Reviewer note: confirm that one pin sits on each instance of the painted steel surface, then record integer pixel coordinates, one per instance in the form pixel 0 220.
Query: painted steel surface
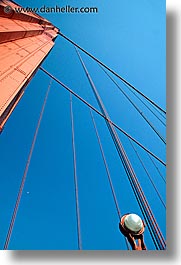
pixel 23 46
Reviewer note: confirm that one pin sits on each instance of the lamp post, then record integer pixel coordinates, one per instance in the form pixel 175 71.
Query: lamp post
pixel 132 227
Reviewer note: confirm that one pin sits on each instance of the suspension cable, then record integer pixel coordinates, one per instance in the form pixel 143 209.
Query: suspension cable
pixel 18 200
pixel 113 72
pixel 108 172
pixel 136 107
pixel 139 194
pixel 106 167
pixel 157 110
pixel 75 177
pixel 146 105
pixel 159 172
pixel 98 112
pixel 147 173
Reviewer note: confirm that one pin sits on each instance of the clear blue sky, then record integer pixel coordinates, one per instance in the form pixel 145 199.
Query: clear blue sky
pixel 129 36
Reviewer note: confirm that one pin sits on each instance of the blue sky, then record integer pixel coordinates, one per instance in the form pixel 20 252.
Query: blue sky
pixel 129 36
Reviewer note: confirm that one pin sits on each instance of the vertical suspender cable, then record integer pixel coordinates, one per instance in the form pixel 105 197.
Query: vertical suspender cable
pixel 110 70
pixel 108 172
pixel 102 115
pixel 146 210
pixel 159 172
pixel 148 174
pixel 147 105
pixel 75 177
pixel 136 107
pixel 106 167
pixel 133 92
pixel 18 200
